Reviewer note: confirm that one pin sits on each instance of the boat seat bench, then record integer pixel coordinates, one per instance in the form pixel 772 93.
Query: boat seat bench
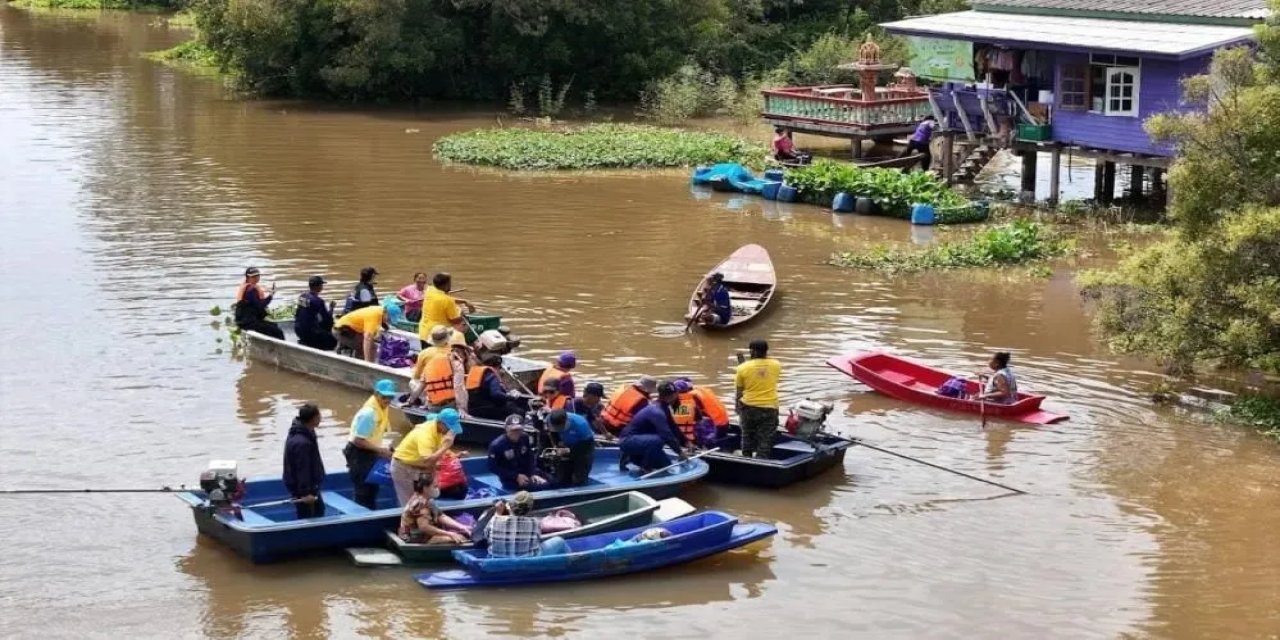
pixel 898 378
pixel 341 503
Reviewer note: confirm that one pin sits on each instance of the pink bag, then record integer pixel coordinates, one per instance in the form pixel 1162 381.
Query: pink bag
pixel 559 522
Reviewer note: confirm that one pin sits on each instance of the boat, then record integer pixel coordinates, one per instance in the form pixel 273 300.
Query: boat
pixel 888 162
pixel 476 325
pixel 910 381
pixel 730 177
pixel 692 537
pixel 752 283
pixel 476 431
pixel 599 515
pixel 792 460
pixel 273 532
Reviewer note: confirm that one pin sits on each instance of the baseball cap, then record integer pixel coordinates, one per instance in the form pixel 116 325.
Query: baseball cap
pixel 683 386
pixel 450 419
pixel 593 388
pixel 567 360
pixel 514 421
pixel 315 281
pixel 385 388
pixel 251 271
pixel 556 420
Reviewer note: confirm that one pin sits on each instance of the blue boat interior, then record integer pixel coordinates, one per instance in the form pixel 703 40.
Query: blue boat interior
pixel 785 448
pixel 697 522
pixel 729 177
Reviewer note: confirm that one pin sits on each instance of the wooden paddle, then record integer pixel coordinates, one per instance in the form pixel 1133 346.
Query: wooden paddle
pixel 672 466
pixel 696 314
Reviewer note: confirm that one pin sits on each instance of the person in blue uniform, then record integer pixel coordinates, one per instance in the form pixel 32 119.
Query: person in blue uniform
pixel 653 428
pixel 591 407
pixel 577 446
pixel 715 298
pixel 313 319
pixel 512 458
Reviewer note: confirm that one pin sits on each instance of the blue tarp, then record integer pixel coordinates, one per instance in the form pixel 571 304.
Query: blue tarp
pixel 728 176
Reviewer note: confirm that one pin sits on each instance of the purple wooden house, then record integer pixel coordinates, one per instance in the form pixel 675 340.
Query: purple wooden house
pixel 1073 75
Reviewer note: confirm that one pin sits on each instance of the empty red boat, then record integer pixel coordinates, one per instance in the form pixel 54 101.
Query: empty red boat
pixel 909 381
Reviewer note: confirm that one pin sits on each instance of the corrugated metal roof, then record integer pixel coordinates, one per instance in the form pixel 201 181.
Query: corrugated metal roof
pixel 1252 9
pixel 1157 38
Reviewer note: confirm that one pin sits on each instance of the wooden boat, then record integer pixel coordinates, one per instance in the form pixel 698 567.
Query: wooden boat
pixel 792 460
pixel 600 515
pixel 476 324
pixel 890 162
pixel 693 537
pixel 274 532
pixel 752 283
pixel 909 381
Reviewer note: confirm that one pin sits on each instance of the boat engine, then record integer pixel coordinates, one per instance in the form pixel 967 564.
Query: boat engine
pixel 222 485
pixel 808 417
pixel 497 341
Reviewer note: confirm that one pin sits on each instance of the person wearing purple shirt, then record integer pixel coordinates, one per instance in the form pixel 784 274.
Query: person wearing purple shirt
pixel 919 142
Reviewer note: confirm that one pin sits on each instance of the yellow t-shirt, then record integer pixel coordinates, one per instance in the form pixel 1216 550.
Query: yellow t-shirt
pixel 758 379
pixel 366 320
pixel 423 441
pixel 424 357
pixel 438 308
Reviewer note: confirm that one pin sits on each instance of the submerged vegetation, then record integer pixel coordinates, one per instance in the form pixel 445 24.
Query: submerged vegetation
pixel 1004 245
pixel 1260 413
pixel 594 147
pixel 893 191
pixel 190 55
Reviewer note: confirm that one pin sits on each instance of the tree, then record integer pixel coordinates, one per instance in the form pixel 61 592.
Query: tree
pixel 1211 291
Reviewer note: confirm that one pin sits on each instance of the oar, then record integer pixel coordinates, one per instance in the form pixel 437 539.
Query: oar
pixel 939 467
pixel 694 318
pixel 64 491
pixel 672 466
pixel 272 503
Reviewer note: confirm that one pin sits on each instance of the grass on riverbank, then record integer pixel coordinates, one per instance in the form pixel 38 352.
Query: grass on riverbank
pixel 93 5
pixel 1010 244
pixel 596 146
pixel 188 56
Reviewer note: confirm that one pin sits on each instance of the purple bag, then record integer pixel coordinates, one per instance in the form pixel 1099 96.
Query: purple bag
pixel 953 388
pixel 705 433
pixel 394 352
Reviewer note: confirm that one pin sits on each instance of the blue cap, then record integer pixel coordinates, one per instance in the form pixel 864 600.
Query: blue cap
pixel 385 387
pixel 392 307
pixel 450 419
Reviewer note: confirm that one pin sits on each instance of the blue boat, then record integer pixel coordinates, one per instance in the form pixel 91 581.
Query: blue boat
pixel 607 554
pixel 728 177
pixel 273 532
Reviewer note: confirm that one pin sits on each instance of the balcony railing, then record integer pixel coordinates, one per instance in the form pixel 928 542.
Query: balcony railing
pixel 843 105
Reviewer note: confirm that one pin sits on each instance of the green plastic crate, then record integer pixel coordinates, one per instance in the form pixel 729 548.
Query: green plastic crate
pixel 1033 132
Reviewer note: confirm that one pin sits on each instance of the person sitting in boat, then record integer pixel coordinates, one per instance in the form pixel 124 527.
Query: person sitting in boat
pixel 423 522
pixel 561 372
pixel 486 396
pixel 512 457
pixel 784 148
pixel 1001 386
pixel 251 306
pixel 411 296
pixel 652 429
pixel 438 345
pixel 438 307
pixel 591 407
pixel 514 533
pixel 363 294
pixel 715 300
pixel 444 377
pixel 422 449
pixel 357 332
pixel 626 402
pixel 313 319
pixel 576 445
pixel 553 396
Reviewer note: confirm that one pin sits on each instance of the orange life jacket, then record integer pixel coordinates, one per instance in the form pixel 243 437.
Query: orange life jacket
pixel 624 406
pixel 687 414
pixel 437 380
pixel 552 373
pixel 476 376
pixel 711 406
pixel 560 401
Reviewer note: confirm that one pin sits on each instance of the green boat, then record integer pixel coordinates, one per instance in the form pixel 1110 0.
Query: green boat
pixel 477 324
pixel 601 515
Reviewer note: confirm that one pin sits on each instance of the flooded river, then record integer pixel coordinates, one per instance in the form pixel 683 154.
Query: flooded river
pixel 133 196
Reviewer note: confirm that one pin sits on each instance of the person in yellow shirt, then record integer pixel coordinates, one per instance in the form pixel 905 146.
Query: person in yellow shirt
pixel 438 307
pixel 421 450
pixel 364 446
pixel 439 341
pixel 756 397
pixel 358 330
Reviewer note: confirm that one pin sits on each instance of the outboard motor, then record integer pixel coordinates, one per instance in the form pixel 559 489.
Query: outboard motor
pixel 222 486
pixel 808 417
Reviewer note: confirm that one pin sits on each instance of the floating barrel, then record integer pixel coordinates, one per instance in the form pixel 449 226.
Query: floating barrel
pixel 843 203
pixel 921 213
pixel 865 206
pixel 770 190
pixel 786 193
pixel 773 174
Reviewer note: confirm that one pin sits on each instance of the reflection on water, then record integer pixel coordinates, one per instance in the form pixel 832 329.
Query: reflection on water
pixel 134 196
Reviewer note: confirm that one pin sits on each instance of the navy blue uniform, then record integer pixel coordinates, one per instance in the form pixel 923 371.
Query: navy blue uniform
pixel 647 433
pixel 303 469
pixel 509 459
pixel 313 323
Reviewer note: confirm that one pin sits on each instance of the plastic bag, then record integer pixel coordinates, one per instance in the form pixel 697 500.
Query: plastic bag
pixel 561 520
pixel 449 472
pixel 380 473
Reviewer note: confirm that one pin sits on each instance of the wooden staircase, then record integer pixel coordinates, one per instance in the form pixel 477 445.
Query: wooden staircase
pixel 973 163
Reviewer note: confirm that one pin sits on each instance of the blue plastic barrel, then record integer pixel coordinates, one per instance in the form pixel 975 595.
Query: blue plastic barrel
pixel 773 174
pixel 770 190
pixel 921 213
pixel 843 203
pixel 866 206
pixel 786 193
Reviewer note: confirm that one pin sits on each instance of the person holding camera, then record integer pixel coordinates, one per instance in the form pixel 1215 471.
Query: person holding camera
pixel 756 399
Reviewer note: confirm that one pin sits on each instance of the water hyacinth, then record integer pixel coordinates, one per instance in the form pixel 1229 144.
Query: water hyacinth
pixel 1009 244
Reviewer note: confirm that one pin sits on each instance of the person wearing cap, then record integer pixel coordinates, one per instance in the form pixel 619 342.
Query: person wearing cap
pixel 251 306
pixel 514 532
pixel 364 445
pixel 303 469
pixel 444 376
pixel 486 396
pixel 410 296
pixel 421 450
pixel 512 458
pixel 313 319
pixel 652 429
pixel 756 399
pixel 553 397
pixel 591 406
pixel 358 331
pixel 577 446
pixel 716 300
pixel 561 372
pixel 363 294
pixel 626 402
pixel 438 307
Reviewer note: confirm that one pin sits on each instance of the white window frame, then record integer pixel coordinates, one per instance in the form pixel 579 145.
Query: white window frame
pixel 1112 72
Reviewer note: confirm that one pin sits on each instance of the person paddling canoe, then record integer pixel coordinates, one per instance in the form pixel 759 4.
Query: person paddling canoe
pixel 1001 386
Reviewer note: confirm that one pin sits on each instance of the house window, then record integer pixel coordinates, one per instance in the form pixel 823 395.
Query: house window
pixel 1114 82
pixel 1074 90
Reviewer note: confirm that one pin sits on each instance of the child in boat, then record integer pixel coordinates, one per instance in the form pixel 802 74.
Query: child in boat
pixel 421 521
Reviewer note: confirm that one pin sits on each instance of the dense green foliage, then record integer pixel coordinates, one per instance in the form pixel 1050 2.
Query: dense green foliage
pixel 595 146
pixel 894 191
pixel 131 5
pixel 1211 291
pixel 399 49
pixel 1261 413
pixel 190 54
pixel 1009 244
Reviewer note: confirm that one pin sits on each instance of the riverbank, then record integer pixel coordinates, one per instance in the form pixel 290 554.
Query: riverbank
pixel 95 5
pixel 191 56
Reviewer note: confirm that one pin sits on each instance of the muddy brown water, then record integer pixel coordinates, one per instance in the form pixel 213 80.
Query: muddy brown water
pixel 132 196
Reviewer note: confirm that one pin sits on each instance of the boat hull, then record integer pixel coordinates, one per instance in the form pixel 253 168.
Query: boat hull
pixel 752 283
pixel 793 461
pixel 913 382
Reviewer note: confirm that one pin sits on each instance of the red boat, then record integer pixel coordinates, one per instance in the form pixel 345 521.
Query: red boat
pixel 909 381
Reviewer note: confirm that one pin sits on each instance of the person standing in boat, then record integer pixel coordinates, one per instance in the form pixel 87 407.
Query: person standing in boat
pixel 313 318
pixel 919 142
pixel 363 294
pixel 650 430
pixel 358 331
pixel 251 306
pixel 438 307
pixel 421 451
pixel 303 468
pixel 1001 385
pixel 411 296
pixel 364 446
pixel 756 399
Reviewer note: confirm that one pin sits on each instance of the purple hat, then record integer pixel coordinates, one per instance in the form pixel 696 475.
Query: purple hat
pixel 683 385
pixel 567 360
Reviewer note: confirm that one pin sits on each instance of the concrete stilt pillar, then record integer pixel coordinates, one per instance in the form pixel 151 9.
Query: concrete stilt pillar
pixel 1055 169
pixel 948 156
pixel 1028 194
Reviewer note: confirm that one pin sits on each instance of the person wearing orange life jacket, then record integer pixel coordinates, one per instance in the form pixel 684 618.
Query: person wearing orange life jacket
pixel 251 306
pixel 486 397
pixel 444 377
pixel 553 397
pixel 561 372
pixel 626 401
pixel 700 416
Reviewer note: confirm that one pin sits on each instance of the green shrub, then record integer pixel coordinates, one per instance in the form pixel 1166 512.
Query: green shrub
pixel 1014 243
pixel 189 54
pixel 895 191
pixel 1259 412
pixel 595 146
